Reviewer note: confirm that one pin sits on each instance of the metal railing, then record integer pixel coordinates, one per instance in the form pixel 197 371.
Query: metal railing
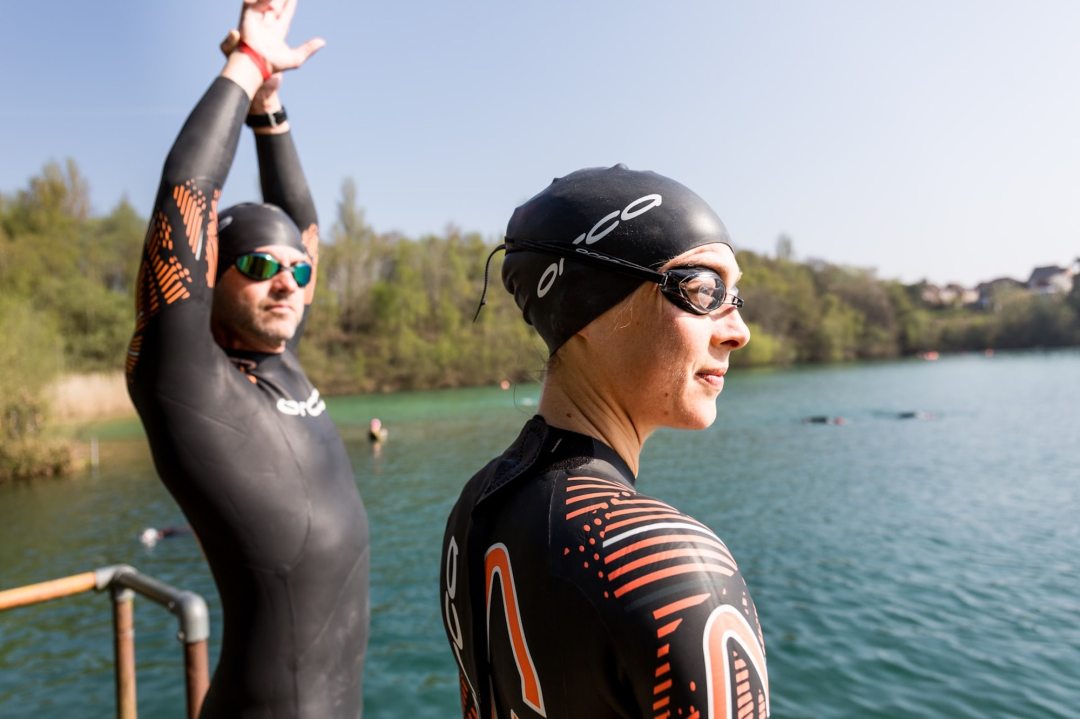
pixel 123 582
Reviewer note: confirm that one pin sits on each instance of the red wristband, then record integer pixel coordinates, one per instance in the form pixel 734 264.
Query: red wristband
pixel 259 60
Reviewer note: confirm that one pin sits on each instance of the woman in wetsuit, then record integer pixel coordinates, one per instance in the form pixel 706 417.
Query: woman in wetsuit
pixel 239 435
pixel 565 591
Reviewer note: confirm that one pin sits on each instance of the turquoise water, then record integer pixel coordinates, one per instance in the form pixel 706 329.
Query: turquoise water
pixel 922 567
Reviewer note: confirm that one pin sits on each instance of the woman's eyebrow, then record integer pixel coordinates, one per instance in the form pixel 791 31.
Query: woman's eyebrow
pixel 730 276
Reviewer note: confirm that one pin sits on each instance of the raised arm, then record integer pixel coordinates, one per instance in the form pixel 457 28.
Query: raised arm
pixel 180 253
pixel 281 175
pixel 174 285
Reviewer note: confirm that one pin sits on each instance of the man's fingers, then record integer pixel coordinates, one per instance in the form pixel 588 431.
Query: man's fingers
pixel 230 42
pixel 309 48
pixel 286 12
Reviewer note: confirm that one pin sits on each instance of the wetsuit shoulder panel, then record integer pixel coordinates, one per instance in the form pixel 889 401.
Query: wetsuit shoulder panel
pixel 670 596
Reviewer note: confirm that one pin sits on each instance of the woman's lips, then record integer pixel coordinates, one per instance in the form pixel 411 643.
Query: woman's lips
pixel 713 377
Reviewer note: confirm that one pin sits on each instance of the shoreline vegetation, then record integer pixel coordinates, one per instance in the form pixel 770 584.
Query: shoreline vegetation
pixel 396 313
pixel 92 397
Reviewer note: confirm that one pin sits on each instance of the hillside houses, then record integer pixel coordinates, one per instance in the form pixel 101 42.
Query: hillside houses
pixel 948 296
pixel 1052 280
pixel 1048 280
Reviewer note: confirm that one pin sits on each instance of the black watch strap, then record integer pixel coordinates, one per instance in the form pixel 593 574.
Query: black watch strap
pixel 270 119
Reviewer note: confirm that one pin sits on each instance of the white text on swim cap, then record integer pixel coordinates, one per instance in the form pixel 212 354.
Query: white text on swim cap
pixel 628 213
pixel 601 229
pixel 548 278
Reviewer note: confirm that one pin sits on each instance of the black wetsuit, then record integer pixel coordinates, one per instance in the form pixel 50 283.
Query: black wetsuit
pixel 243 442
pixel 565 593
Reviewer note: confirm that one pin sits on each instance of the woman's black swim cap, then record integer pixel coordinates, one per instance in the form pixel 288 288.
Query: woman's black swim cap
pixel 245 227
pixel 639 217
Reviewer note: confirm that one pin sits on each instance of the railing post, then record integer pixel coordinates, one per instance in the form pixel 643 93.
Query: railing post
pixel 197 671
pixel 124 643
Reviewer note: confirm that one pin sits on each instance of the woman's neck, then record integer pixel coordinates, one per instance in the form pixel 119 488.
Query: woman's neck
pixel 570 401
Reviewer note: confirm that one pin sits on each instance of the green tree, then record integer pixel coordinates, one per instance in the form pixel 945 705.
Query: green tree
pixel 31 359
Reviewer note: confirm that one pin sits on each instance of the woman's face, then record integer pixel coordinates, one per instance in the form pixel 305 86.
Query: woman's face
pixel 665 366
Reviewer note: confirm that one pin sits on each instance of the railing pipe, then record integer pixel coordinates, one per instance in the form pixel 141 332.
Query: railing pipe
pixel 123 581
pixel 187 606
pixel 45 591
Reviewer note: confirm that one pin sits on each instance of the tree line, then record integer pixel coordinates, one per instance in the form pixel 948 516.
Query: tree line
pixel 820 312
pixel 394 313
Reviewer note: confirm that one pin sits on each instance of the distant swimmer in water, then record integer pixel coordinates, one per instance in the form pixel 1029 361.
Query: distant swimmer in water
pixel 823 419
pixel 917 414
pixel 152 535
pixel 376 432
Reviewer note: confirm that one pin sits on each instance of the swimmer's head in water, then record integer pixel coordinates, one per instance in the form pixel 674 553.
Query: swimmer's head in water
pixel 554 243
pixel 245 227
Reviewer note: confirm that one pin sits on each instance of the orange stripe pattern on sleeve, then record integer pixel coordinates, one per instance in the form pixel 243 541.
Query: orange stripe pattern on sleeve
pixel 166 274
pixel 643 550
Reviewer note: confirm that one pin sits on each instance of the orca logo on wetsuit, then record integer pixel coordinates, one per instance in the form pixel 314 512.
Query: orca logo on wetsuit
pixel 312 407
pixel 603 227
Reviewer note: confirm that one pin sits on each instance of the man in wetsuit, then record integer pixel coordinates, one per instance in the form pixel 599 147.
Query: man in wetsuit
pixel 565 592
pixel 239 434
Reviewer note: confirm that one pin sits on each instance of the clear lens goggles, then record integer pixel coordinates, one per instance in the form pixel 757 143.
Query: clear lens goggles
pixel 260 266
pixel 698 290
pixel 695 289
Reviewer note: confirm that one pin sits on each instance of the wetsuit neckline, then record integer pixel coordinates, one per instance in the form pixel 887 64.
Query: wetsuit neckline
pixel 562 444
pixel 248 361
pixel 251 355
pixel 541 447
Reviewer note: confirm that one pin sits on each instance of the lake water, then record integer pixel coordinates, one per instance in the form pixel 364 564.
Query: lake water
pixel 922 567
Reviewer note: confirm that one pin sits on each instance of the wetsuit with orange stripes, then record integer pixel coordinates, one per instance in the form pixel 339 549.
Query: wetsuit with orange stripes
pixel 566 593
pixel 243 442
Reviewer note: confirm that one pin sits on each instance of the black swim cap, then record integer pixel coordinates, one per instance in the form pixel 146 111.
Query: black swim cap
pixel 245 227
pixel 635 216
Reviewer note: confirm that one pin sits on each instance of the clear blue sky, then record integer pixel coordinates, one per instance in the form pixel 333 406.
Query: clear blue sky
pixel 924 139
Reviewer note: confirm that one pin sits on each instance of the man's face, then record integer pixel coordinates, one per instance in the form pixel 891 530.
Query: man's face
pixel 256 315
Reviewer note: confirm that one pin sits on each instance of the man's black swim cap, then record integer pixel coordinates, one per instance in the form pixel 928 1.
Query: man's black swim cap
pixel 245 227
pixel 635 216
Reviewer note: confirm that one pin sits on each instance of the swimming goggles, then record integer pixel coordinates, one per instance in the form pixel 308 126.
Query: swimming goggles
pixel 260 266
pixel 695 289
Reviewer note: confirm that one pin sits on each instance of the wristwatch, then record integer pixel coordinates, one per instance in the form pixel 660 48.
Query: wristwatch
pixel 270 119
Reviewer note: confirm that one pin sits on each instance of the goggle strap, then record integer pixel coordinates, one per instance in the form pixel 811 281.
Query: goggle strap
pixel 483 293
pixel 607 262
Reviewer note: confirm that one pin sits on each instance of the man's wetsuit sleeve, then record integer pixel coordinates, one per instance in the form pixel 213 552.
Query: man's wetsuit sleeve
pixel 285 185
pixel 176 277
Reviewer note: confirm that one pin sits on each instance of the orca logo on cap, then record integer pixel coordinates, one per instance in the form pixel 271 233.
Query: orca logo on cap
pixel 603 227
pixel 628 213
